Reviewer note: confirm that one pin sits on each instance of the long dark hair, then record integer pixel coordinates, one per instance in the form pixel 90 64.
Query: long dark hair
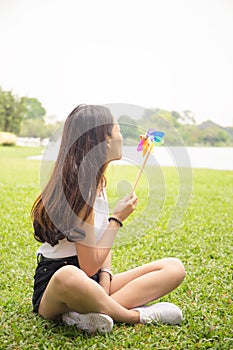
pixel 78 171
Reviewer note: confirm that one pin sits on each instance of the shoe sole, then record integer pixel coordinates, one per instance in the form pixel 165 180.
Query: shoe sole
pixel 91 322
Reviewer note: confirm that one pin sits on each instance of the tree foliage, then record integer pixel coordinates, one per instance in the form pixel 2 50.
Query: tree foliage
pixel 37 128
pixel 129 128
pixel 23 116
pixel 214 136
pixel 12 112
pixel 180 128
pixel 34 108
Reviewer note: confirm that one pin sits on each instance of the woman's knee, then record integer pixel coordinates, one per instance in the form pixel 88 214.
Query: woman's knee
pixel 179 268
pixel 68 278
pixel 176 266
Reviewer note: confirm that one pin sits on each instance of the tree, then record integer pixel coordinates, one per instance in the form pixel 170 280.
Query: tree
pixel 33 124
pixel 129 128
pixel 188 117
pixel 34 108
pixel 213 136
pixel 37 128
pixel 190 134
pixel 12 111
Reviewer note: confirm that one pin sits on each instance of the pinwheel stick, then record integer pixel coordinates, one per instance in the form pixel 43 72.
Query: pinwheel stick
pixel 146 145
pixel 141 170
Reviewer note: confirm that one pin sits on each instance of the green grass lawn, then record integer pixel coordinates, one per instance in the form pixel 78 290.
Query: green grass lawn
pixel 203 242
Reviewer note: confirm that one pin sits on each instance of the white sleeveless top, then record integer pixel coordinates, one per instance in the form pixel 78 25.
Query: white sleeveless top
pixel 64 248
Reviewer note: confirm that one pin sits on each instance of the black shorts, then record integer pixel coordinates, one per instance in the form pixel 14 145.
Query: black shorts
pixel 45 269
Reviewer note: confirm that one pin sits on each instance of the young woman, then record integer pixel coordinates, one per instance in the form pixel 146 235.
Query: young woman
pixel 73 280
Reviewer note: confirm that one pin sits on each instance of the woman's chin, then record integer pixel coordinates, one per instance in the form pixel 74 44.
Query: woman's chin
pixel 115 158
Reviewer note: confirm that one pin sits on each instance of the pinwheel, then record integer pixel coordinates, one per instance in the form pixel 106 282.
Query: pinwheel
pixel 148 141
pixel 151 139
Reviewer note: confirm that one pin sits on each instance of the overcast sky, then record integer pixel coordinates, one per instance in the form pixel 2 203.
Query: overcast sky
pixel 170 54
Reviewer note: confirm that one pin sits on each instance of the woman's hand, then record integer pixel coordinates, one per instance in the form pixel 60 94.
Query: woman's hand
pixel 125 207
pixel 104 281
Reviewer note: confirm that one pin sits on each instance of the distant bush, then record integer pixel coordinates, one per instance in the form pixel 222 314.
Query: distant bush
pixel 7 138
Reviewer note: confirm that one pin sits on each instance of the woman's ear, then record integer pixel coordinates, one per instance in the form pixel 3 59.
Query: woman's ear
pixel 108 142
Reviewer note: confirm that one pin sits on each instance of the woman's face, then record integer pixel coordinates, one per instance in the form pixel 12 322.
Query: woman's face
pixel 115 143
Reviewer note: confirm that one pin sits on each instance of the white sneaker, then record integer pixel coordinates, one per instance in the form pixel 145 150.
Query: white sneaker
pixel 90 322
pixel 160 313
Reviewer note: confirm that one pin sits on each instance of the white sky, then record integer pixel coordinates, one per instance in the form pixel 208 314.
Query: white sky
pixel 171 54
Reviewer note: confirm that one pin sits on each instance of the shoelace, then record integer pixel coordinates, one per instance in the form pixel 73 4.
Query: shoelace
pixel 152 318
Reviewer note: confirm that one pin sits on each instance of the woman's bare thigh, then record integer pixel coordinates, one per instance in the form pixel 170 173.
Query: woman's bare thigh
pixel 53 300
pixel 121 279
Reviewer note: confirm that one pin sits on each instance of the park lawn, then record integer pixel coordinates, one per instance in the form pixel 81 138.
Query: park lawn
pixel 203 242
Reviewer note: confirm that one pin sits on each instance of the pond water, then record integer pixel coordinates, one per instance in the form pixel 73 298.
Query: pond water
pixel 196 157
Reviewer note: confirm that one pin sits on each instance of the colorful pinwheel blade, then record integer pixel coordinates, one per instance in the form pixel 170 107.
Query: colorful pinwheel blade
pixel 158 133
pixel 151 139
pixel 140 146
pixel 150 131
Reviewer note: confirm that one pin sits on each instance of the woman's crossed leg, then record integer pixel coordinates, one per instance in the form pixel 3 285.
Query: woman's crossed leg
pixel 70 289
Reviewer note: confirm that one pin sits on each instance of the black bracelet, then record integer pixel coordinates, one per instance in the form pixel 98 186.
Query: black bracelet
pixel 115 219
pixel 107 271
